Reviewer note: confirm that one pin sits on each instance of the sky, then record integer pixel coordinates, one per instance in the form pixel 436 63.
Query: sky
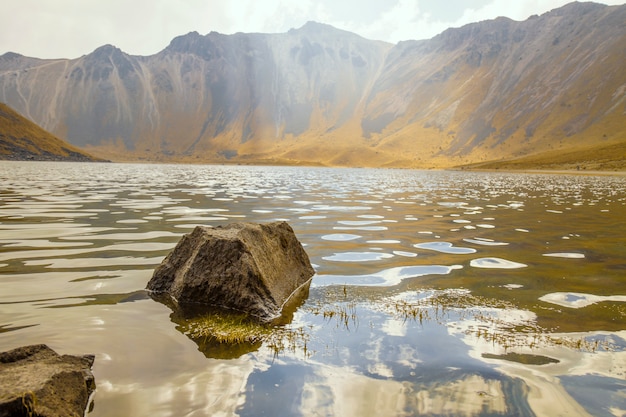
pixel 72 28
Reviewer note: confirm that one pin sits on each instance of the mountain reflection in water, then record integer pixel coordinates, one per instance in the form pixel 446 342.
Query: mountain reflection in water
pixel 436 293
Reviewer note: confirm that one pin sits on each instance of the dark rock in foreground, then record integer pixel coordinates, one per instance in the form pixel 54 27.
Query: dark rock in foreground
pixel 36 381
pixel 254 268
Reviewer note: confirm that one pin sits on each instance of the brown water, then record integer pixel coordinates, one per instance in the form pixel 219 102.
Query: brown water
pixel 437 293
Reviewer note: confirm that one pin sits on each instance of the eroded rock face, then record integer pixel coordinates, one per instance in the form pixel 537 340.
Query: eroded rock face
pixel 254 268
pixel 36 381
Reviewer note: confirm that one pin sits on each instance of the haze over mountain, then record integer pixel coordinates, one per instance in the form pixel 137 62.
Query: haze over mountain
pixel 21 139
pixel 497 89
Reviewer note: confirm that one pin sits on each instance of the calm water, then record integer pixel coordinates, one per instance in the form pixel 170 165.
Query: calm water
pixel 436 293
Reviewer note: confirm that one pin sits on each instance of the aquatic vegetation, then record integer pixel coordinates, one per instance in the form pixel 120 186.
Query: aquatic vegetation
pixel 227 328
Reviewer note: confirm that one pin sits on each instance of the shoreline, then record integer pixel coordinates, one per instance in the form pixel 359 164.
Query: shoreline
pixel 311 165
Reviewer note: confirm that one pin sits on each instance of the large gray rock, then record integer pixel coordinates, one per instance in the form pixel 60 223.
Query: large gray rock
pixel 254 268
pixel 36 381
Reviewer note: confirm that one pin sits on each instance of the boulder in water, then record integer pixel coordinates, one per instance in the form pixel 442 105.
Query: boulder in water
pixel 253 268
pixel 36 381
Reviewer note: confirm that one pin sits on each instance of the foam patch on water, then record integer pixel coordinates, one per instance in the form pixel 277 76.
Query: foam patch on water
pixel 386 277
pixel 571 255
pixel 444 247
pixel 579 300
pixel 496 263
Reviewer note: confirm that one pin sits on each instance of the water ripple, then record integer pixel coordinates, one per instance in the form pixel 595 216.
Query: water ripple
pixel 496 263
pixel 357 256
pixel 340 237
pixel 444 247
pixel 386 277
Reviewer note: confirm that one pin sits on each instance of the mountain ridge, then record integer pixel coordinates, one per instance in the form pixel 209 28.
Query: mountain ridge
pixel 498 89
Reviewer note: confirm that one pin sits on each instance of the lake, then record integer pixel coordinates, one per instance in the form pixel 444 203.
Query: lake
pixel 440 293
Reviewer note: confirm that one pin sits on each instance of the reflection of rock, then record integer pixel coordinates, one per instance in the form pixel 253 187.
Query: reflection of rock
pixel 224 334
pixel 199 328
pixel 248 267
pixel 35 380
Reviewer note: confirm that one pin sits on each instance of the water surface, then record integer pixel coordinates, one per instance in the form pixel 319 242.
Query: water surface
pixel 436 293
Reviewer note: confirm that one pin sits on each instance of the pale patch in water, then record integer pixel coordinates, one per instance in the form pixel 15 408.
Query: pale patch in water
pixel 485 242
pixel 386 277
pixel 369 228
pixel 444 247
pixel 496 263
pixel 571 255
pixel 405 254
pixel 358 222
pixel 132 221
pixel 340 237
pixel 512 286
pixel 383 242
pixel 578 300
pixel 357 256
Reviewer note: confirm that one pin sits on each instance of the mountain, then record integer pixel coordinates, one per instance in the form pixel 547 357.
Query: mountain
pixel 21 139
pixel 492 90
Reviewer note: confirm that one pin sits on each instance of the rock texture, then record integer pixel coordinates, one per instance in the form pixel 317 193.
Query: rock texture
pixel 254 268
pixel 317 94
pixel 36 381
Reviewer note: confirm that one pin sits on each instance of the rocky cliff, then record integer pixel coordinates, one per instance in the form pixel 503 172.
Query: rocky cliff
pixel 489 90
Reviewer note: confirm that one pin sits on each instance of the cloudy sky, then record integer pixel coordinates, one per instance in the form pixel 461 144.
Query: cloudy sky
pixel 71 28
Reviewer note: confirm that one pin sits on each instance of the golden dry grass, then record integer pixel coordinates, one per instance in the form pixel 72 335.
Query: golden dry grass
pixel 609 157
pixel 20 136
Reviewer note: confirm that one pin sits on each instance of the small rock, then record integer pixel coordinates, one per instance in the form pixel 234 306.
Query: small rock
pixel 253 268
pixel 36 381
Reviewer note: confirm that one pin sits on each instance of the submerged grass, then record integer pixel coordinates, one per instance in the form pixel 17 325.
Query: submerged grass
pixel 227 328
pixel 455 306
pixel 237 329
pixel 486 319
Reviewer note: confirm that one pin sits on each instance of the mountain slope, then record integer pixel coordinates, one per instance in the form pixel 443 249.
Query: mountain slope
pixel 503 88
pixel 21 139
pixel 497 89
pixel 602 157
